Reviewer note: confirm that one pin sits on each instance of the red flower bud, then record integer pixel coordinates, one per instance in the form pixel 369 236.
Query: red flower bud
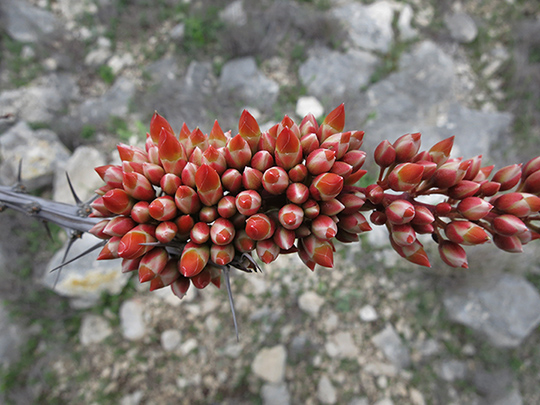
pixel 320 161
pixel 138 186
pixel 222 232
pixel 118 201
pixel 443 209
pixel 400 212
pixel 166 231
pixel 288 152
pixel 163 208
pixel 333 123
pixel 354 223
pixel 518 204
pixel 474 167
pixel 311 209
pixel 248 202
pixel 489 188
pixel 111 174
pixel 169 183
pixel 252 178
pixel 119 226
pixel 530 167
pixel 508 176
pixel 331 207
pixel 422 216
pixel 405 176
pixel 378 218
pixel 385 154
pixel 326 186
pixel 510 244
pixel 222 254
pixel 284 238
pixel 129 265
pixel 172 154
pixel 131 243
pixel 407 147
pixel 202 279
pixel 440 152
pixel 338 143
pixel 97 230
pixel 248 129
pixel 267 250
pixel 403 235
pixel 243 242
pixel 196 139
pixel 508 225
pixel 166 277
pixel 194 258
pixel 267 141
pixel 474 208
pixel 237 153
pixel 156 124
pixel 342 169
pixel 260 227
pixel 153 172
pixel 215 159
pixel 262 160
pixel 466 233
pixel 463 189
pixel 291 216
pixel 323 227
pixel 227 206
pixel 320 251
pixel 357 138
pixel 309 125
pixel 275 180
pixel 297 193
pixel 208 185
pixel 180 286
pixel 187 200
pixel 532 183
pixel 450 173
pixel 483 173
pixel 355 158
pixel 184 224
pixel 140 213
pixel 453 254
pixel 110 250
pixel 131 153
pixel 200 233
pixel 309 143
pixel 352 202
pixel 208 214
pixel 232 180
pixel 414 253
pixel 152 263
pixel 217 138
pixel 298 173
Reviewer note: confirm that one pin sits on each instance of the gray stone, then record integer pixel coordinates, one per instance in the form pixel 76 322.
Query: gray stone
pixel 311 303
pixel 234 14
pixel 504 308
pixel 461 26
pixel 80 168
pixel 406 32
pixel 369 26
pixel 115 102
pixel 132 319
pixel 275 394
pixel 12 337
pixel 493 383
pixel 26 23
pixel 241 78
pixel 513 397
pixel 269 364
pixel 341 345
pixel 132 399
pixel 86 278
pixel 41 152
pixel 359 401
pixel 329 74
pixel 94 329
pixel 389 342
pixel 451 370
pixel 42 102
pixel 170 339
pixel 178 31
pixel 326 391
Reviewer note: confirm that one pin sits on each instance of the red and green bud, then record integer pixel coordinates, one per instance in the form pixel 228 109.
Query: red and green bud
pixel 166 231
pixel 119 226
pixel 326 186
pixel 248 129
pixel 466 233
pixel 222 254
pixel 163 208
pixel 508 176
pixel 262 160
pixel 275 180
pixel 118 201
pixel 440 152
pixel 252 178
pixel 405 176
pixel 453 254
pixel 297 193
pixel 187 200
pixel 474 208
pixel 232 180
pixel 215 159
pixel 200 233
pixel 194 258
pixel 385 154
pixel 227 206
pixel 267 250
pixel 152 263
pixel 407 147
pixel 518 204
pixel 260 227
pixel 291 216
pixel 508 225
pixel 222 232
pixel 111 174
pixel 323 227
pixel 248 202
pixel 464 189
pixel 298 173
pixel 138 186
pixel 110 250
pixel 237 153
pixel 400 212
pixel 208 185
pixel 288 152
pixel 132 243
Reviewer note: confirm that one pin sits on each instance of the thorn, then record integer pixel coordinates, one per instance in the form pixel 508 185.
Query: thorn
pixel 226 271
pixel 19 186
pixel 70 243
pixel 89 250
pixel 19 172
pixel 252 261
pixel 47 229
pixel 73 193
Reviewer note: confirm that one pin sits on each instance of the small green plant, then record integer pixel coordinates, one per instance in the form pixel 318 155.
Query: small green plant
pixel 88 132
pixel 106 74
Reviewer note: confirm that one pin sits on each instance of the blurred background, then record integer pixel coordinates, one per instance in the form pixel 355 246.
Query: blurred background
pixel 79 76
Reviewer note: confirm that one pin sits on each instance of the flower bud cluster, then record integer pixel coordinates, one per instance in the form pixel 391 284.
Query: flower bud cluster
pixel 476 209
pixel 190 204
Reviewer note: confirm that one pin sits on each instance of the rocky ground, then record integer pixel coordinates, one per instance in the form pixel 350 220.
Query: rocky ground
pixel 76 77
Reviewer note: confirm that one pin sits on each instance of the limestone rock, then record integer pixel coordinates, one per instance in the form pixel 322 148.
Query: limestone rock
pixel 389 342
pixel 132 319
pixel 94 329
pixel 170 339
pixel 310 302
pixel 269 364
pixel 26 23
pixel 326 391
pixel 504 308
pixel 461 26
pixel 309 105
pixel 275 394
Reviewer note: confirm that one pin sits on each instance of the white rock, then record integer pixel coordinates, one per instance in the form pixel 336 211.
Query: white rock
pixel 384 401
pixel 309 105
pixel 170 339
pixel 132 399
pixel 269 364
pixel 368 314
pixel 94 329
pixel 416 397
pixel 326 391
pixel 342 345
pixel 310 303
pixel 273 394
pixel 234 14
pixel 188 346
pixel 177 32
pixel 132 319
pixel 119 62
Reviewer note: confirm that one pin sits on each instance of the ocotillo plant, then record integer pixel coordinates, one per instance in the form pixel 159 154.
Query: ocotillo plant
pixel 190 206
